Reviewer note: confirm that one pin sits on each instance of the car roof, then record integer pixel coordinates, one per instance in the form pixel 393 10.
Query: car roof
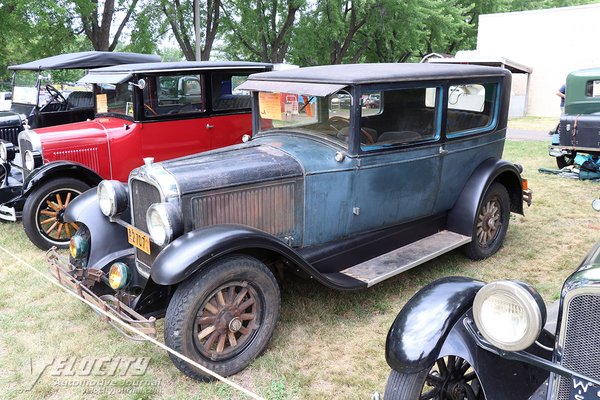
pixel 179 66
pixel 354 74
pixel 86 60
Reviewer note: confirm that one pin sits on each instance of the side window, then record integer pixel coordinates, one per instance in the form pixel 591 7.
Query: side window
pixel 471 108
pixel 173 94
pixel 404 116
pixel 592 88
pixel 226 96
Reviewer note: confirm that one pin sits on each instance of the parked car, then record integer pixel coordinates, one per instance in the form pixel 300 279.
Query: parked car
pixel 460 338
pixel 579 128
pixel 346 199
pixel 42 97
pixel 135 118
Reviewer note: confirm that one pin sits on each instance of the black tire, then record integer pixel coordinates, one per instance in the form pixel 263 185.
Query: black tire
pixel 43 221
pixel 451 378
pixel 207 311
pixel 491 223
pixel 566 160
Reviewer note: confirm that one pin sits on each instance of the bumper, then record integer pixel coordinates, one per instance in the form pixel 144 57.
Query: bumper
pixel 79 280
pixel 527 196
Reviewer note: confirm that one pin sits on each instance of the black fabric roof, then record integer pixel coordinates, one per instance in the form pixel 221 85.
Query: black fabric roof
pixel 86 60
pixel 179 65
pixel 352 74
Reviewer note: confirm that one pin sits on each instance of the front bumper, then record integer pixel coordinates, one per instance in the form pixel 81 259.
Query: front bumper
pixel 527 196
pixel 79 280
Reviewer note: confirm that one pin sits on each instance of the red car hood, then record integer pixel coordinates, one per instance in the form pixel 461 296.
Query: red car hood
pixel 79 134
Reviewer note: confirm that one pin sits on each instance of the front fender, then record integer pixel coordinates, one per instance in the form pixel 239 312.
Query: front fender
pixel 463 214
pixel 420 329
pixel 108 241
pixel 190 252
pixel 59 169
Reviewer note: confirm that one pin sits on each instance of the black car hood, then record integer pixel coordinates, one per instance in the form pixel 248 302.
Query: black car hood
pixel 235 165
pixel 9 118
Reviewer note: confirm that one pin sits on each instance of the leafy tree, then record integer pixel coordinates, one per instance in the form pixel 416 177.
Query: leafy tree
pixel 97 23
pixel 259 30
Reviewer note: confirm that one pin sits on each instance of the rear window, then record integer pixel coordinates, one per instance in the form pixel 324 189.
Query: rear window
pixel 592 88
pixel 226 95
pixel 471 108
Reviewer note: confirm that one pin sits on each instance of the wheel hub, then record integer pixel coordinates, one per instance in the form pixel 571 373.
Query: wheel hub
pixel 235 324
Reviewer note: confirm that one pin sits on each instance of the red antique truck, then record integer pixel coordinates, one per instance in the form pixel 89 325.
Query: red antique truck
pixel 158 110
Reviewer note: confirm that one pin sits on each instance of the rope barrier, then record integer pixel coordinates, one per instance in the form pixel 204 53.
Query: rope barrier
pixel 135 330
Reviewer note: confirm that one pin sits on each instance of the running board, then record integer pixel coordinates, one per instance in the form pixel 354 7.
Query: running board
pixel 390 264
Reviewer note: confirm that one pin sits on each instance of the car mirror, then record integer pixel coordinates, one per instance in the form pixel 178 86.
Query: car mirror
pixel 141 84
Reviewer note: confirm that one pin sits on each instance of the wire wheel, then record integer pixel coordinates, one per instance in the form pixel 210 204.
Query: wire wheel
pixel 227 320
pixel 489 222
pixel 50 213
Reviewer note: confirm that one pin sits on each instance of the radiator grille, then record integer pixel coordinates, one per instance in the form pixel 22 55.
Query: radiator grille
pixel 582 340
pixel 268 208
pixel 87 157
pixel 24 145
pixel 10 134
pixel 143 195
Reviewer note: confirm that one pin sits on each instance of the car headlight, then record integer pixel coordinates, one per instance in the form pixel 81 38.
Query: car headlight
pixel 78 246
pixel 29 160
pixel 112 197
pixel 164 222
pixel 7 151
pixel 510 315
pixel 118 276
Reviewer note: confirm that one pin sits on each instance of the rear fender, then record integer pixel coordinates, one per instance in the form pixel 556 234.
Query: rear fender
pixel 462 216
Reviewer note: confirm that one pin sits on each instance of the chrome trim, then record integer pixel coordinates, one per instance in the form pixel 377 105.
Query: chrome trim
pixel 8 213
pixel 569 295
pixel 32 137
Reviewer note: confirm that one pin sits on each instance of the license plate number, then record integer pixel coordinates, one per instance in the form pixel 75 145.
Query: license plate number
pixel 581 389
pixel 138 239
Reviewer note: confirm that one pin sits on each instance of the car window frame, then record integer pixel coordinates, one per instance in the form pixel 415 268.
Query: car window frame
pixel 382 87
pixel 492 125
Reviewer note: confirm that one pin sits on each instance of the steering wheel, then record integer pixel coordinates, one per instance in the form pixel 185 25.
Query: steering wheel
pixel 55 94
pixel 365 136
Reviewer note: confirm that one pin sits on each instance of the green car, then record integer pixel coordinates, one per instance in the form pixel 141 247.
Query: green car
pixel 579 127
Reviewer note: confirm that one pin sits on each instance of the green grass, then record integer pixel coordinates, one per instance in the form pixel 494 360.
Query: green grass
pixel 327 343
pixel 533 123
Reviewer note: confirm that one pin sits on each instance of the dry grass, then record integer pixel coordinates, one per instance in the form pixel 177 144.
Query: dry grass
pixel 533 123
pixel 327 344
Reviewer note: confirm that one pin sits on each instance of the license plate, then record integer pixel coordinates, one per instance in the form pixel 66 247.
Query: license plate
pixel 139 239
pixel 581 389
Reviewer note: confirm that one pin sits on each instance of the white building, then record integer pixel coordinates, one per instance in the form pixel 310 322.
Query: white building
pixel 551 43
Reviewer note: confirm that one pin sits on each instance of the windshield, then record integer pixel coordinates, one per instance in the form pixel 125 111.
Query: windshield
pixel 324 116
pixel 114 98
pixel 25 89
pixel 54 86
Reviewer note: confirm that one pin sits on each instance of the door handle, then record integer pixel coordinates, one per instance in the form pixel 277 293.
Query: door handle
pixel 443 151
pixel 209 126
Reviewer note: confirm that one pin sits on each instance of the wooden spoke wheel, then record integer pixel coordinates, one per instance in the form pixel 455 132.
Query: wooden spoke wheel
pixel 450 378
pixel 223 316
pixel 491 223
pixel 44 212
pixel 228 320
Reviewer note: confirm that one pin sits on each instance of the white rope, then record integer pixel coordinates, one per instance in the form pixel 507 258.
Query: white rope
pixel 135 330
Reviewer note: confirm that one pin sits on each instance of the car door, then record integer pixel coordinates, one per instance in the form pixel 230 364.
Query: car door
pixel 397 179
pixel 176 121
pixel 473 134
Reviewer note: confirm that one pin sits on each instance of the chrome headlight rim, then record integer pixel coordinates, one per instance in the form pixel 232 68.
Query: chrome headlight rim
pixel 164 222
pixel 32 159
pixel 524 296
pixel 112 197
pixel 7 151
